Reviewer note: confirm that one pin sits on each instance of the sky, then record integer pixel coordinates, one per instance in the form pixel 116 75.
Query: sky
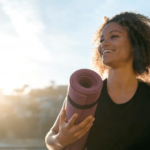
pixel 47 40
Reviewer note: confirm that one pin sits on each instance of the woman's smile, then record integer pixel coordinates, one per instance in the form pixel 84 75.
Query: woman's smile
pixel 107 53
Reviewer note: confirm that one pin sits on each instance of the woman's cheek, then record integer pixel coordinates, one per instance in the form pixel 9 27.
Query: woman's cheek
pixel 99 49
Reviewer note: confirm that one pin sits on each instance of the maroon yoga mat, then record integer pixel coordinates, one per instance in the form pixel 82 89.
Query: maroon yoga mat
pixel 83 92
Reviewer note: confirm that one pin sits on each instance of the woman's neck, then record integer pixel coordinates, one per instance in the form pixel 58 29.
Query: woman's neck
pixel 122 80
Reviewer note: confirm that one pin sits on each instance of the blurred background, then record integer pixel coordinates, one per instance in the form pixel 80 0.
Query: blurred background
pixel 42 42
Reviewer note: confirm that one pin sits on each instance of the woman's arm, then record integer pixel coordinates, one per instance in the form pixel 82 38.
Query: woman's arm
pixel 52 142
pixel 51 138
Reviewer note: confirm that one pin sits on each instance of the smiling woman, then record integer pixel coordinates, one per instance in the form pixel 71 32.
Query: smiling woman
pixel 115 48
pixel 134 29
pixel 122 120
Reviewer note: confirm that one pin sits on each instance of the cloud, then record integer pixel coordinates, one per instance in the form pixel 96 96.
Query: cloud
pixel 21 45
pixel 28 55
pixel 28 27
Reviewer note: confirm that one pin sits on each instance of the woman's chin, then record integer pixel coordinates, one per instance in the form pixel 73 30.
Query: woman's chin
pixel 106 62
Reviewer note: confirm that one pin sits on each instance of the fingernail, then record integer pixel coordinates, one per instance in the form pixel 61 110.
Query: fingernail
pixel 76 115
pixel 90 117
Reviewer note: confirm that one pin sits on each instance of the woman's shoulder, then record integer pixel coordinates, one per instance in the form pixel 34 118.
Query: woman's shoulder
pixel 145 86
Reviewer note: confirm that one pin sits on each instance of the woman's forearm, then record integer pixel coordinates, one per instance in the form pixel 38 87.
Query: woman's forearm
pixel 52 142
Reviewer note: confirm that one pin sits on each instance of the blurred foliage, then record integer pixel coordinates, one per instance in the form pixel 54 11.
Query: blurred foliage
pixel 30 115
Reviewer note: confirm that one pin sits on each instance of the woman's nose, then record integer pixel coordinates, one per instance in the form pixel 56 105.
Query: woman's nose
pixel 101 46
pixel 105 43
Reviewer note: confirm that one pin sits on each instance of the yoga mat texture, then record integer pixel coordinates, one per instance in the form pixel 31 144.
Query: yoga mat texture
pixel 84 89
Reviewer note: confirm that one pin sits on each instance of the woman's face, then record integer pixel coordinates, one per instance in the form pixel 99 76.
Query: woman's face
pixel 115 39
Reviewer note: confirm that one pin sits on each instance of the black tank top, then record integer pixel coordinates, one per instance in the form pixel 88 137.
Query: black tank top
pixel 121 126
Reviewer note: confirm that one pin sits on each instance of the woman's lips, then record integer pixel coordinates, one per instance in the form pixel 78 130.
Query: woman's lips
pixel 107 53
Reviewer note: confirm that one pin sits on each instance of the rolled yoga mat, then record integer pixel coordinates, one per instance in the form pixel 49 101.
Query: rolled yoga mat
pixel 83 92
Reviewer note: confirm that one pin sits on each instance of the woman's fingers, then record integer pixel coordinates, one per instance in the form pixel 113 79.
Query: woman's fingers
pixel 88 125
pixel 85 130
pixel 83 124
pixel 82 127
pixel 72 120
pixel 73 132
pixel 63 117
pixel 81 132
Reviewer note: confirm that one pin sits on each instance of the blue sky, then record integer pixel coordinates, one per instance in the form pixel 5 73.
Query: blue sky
pixel 44 40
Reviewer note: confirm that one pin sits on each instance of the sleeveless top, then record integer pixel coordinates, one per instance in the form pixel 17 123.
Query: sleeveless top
pixel 121 126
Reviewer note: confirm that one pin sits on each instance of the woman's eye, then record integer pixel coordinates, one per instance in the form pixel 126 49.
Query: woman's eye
pixel 111 37
pixel 101 41
pixel 114 36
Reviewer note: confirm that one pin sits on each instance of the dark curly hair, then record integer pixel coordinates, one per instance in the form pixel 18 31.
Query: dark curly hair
pixel 138 28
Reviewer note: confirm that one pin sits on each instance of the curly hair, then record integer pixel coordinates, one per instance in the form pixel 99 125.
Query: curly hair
pixel 138 28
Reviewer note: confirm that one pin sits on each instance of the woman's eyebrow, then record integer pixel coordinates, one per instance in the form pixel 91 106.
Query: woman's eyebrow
pixel 115 31
pixel 112 31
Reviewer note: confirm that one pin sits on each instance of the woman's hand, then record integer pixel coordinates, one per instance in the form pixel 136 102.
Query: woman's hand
pixel 70 133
